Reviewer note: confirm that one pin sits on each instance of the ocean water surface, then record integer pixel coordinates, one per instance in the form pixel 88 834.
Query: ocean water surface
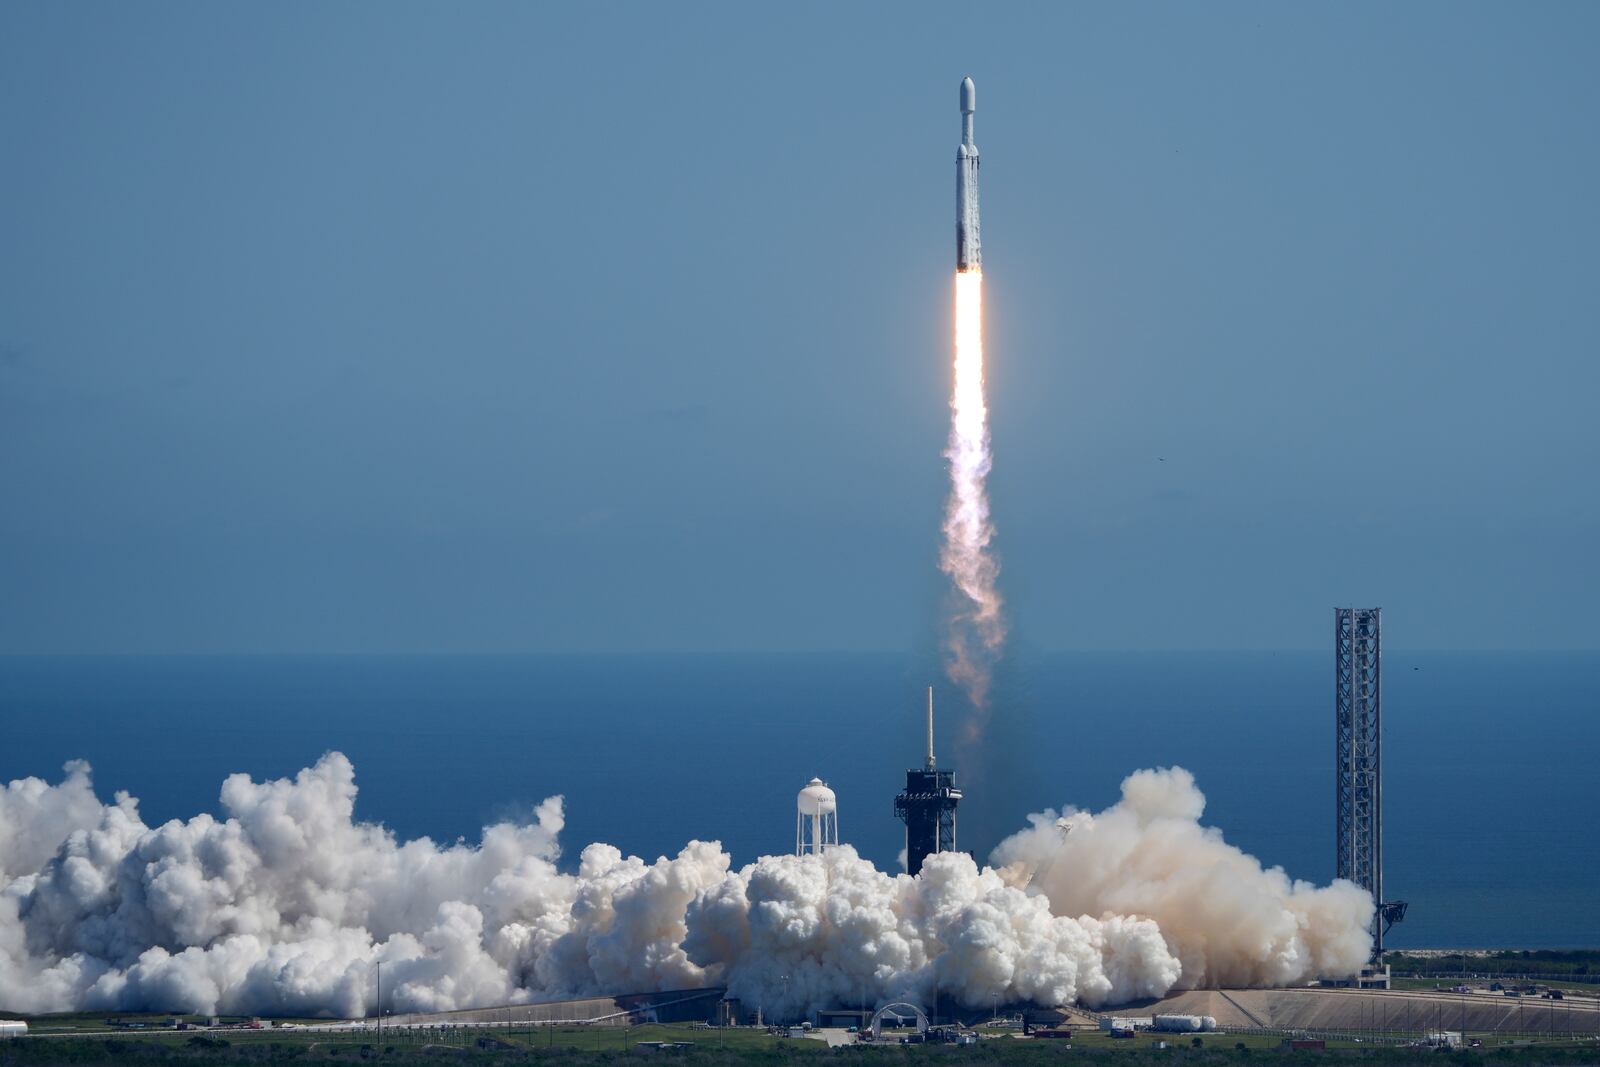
pixel 1492 761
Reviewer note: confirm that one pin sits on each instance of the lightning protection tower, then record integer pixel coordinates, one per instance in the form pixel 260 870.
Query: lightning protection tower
pixel 1358 759
pixel 816 818
pixel 928 807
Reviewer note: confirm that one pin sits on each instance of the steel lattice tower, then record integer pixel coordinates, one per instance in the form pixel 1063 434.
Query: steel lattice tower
pixel 1358 758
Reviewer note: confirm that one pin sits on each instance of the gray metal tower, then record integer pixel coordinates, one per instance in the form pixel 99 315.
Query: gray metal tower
pixel 1358 760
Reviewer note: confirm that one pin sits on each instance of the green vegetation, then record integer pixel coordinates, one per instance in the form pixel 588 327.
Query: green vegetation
pixel 1568 963
pixel 1445 983
pixel 604 1047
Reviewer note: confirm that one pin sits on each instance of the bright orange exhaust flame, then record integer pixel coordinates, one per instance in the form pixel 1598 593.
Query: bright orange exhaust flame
pixel 976 626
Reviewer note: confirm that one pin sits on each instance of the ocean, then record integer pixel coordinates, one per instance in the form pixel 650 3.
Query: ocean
pixel 1490 759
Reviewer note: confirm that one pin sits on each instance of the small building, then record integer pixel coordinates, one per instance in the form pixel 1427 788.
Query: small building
pixel 844 1018
pixel 1126 1022
pixel 1372 976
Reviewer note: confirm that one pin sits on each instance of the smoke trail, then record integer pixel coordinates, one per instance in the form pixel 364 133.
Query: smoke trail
pixel 282 907
pixel 976 626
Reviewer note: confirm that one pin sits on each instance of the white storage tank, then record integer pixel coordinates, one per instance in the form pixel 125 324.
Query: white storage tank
pixel 817 799
pixel 13 1028
pixel 1179 1024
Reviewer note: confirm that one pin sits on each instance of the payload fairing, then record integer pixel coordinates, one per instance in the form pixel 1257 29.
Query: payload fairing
pixel 969 256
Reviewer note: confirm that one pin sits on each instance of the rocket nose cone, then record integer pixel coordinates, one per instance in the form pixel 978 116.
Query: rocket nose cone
pixel 969 95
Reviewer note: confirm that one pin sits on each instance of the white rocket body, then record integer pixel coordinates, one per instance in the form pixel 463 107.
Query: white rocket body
pixel 969 255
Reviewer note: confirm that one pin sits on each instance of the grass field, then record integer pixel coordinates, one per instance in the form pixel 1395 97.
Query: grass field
pixel 1581 989
pixel 82 1041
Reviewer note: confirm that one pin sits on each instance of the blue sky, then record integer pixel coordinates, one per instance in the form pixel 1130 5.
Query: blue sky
pixel 553 327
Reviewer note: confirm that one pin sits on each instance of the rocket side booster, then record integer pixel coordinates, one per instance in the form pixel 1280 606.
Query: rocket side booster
pixel 969 256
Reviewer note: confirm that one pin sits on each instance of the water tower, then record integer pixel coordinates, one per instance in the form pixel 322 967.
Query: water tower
pixel 816 820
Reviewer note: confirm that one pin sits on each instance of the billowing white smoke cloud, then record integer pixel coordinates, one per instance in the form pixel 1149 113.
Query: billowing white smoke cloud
pixel 283 906
pixel 1228 921
pixel 35 817
pixel 794 932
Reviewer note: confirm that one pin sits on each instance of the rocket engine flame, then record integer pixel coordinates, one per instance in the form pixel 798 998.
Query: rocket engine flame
pixel 977 627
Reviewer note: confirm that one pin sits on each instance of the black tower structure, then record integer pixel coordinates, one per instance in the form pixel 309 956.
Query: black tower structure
pixel 928 807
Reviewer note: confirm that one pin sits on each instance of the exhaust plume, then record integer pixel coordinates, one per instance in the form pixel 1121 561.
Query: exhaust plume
pixel 977 627
pixel 283 905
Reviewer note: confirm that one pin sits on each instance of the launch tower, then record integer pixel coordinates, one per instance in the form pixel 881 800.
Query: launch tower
pixel 928 806
pixel 1358 760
